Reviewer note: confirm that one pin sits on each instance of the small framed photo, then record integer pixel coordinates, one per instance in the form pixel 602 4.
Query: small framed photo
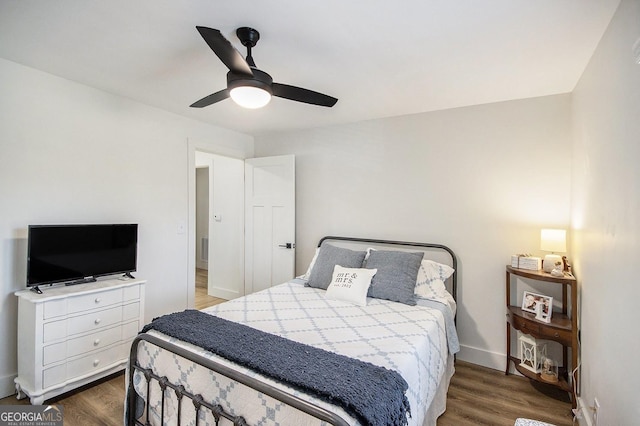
pixel 537 304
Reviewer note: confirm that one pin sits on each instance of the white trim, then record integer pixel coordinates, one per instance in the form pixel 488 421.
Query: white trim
pixel 7 385
pixel 482 357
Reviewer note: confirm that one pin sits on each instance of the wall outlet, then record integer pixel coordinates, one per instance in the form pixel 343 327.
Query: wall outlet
pixel 577 413
pixel 596 411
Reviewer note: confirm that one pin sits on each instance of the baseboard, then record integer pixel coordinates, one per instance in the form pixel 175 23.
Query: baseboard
pixel 482 357
pixel 223 293
pixel 7 385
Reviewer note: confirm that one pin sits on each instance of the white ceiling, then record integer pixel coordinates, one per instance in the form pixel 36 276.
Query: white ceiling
pixel 380 58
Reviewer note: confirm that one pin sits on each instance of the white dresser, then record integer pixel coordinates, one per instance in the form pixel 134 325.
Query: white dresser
pixel 72 335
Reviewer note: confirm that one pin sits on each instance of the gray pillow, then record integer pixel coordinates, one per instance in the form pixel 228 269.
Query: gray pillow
pixel 396 277
pixel 328 257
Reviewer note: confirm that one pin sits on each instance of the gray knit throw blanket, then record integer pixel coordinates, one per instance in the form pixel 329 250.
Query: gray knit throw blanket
pixel 373 395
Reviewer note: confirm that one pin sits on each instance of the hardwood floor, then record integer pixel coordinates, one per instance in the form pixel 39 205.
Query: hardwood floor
pixel 201 277
pixel 202 299
pixel 483 396
pixel 477 395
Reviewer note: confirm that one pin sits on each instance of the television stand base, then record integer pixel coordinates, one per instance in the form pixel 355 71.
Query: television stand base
pixel 82 281
pixel 128 275
pixel 36 289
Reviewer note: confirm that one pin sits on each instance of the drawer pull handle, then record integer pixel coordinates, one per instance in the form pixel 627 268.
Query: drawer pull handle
pixel 96 362
pixel 96 342
pixel 98 300
pixel 556 335
pixel 97 321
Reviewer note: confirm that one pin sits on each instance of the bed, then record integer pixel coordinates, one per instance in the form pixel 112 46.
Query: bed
pixel 341 337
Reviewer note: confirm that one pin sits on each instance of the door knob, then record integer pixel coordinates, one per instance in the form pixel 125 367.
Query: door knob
pixel 288 245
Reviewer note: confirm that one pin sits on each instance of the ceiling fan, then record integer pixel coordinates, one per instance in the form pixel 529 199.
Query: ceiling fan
pixel 246 84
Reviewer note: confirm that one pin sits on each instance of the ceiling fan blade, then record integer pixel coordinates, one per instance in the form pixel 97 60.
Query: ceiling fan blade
pixel 302 95
pixel 211 99
pixel 223 48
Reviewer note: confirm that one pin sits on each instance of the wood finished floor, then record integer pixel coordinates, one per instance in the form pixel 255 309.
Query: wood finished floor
pixel 202 299
pixel 477 395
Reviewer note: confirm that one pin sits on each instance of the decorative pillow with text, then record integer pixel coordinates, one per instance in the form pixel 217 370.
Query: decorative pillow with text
pixel 350 285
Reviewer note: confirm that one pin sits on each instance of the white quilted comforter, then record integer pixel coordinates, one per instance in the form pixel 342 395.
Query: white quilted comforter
pixel 409 339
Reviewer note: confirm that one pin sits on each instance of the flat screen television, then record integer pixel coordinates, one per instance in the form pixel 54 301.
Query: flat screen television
pixel 75 254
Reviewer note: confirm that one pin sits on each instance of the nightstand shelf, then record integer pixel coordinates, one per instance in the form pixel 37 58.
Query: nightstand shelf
pixel 562 373
pixel 563 327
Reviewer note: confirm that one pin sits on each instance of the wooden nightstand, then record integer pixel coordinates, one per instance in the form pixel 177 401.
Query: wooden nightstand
pixel 563 327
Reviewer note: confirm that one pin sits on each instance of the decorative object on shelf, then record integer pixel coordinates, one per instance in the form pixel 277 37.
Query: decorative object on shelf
pixel 526 261
pixel 530 302
pixel 549 370
pixel 553 240
pixel 532 352
pixel 544 310
pixel 558 270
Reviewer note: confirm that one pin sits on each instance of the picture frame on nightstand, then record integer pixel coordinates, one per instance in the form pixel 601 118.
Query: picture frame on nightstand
pixel 544 310
pixel 531 301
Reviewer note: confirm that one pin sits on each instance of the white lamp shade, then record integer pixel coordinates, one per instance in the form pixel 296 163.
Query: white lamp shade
pixel 553 240
pixel 250 97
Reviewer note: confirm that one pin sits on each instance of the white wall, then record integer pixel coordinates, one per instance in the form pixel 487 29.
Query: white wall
pixel 226 235
pixel 606 220
pixel 482 180
pixel 72 154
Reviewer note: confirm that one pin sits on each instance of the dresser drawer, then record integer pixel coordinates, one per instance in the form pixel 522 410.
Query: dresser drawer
pixel 131 293
pixel 96 361
pixel 94 300
pixel 94 320
pixel 79 345
pixel 130 331
pixel 55 308
pixel 131 311
pixel 87 364
pixel 562 336
pixel 54 375
pixel 54 330
pixel 525 325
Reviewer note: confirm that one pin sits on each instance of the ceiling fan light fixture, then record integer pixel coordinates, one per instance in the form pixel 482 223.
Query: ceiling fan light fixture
pixel 250 97
pixel 248 86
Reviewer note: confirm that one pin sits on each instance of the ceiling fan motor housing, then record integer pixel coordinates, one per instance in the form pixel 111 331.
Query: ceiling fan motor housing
pixel 260 79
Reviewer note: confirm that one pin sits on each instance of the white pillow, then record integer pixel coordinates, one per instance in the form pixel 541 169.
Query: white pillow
pixel 350 285
pixel 431 279
pixel 313 262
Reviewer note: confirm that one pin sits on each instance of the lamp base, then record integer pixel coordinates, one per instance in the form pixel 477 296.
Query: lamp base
pixel 550 261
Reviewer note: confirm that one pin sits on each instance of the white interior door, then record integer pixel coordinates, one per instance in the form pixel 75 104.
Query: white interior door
pixel 269 221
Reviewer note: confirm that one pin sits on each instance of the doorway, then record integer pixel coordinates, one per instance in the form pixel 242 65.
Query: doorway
pixel 226 269
pixel 202 297
pixel 219 225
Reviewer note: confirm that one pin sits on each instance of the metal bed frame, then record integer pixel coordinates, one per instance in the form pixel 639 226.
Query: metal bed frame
pixel 198 402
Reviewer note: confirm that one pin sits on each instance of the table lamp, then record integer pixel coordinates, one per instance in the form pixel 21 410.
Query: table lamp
pixel 555 241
